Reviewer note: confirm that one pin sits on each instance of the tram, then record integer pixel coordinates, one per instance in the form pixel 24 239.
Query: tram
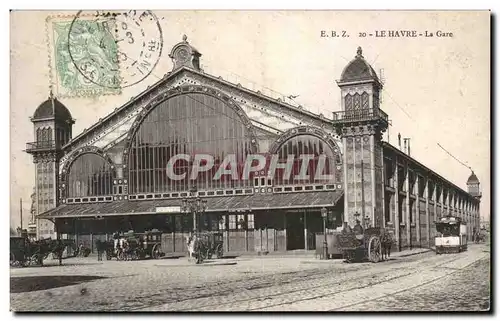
pixel 451 235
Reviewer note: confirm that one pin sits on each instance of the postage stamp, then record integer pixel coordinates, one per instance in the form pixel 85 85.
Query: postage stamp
pixel 74 74
pixel 99 53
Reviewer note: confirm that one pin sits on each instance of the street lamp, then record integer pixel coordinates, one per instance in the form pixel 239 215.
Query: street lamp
pixel 324 213
pixel 194 205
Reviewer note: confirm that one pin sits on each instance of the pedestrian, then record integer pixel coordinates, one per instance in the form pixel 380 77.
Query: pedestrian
pixel 116 237
pixel 358 229
pixel 100 247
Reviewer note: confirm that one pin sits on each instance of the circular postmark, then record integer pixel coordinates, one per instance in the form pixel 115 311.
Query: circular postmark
pixel 115 49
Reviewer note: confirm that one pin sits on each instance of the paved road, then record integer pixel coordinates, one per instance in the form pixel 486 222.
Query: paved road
pixel 419 282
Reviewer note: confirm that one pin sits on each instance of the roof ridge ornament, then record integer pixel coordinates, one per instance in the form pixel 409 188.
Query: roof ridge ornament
pixel 359 52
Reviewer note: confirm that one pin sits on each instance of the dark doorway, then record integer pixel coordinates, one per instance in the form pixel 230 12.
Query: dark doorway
pixel 295 231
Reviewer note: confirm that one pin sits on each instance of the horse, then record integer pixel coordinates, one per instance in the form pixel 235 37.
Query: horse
pixel 386 244
pixel 56 247
pixel 103 247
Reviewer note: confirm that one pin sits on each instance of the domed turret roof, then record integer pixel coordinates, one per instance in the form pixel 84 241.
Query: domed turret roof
pixel 472 179
pixel 52 108
pixel 358 69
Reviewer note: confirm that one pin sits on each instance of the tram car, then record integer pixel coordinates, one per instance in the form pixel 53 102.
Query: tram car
pixel 451 235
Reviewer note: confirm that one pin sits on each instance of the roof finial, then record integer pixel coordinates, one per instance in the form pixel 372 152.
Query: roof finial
pixel 184 38
pixel 359 53
pixel 51 94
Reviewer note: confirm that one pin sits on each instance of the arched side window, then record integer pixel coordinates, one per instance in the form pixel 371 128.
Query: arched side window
pixel 357 105
pixel 314 162
pixel 187 124
pixel 89 175
pixel 44 136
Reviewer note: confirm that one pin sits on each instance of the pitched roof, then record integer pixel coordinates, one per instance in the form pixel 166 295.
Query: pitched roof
pixel 169 76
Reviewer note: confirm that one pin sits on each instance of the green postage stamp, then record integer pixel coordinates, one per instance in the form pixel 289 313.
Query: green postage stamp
pixel 83 56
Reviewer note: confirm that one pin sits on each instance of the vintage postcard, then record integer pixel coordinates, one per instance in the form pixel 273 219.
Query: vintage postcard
pixel 250 161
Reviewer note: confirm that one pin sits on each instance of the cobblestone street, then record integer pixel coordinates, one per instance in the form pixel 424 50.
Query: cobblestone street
pixel 423 281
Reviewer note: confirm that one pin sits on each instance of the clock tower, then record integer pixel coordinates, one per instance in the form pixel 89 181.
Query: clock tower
pixel 183 54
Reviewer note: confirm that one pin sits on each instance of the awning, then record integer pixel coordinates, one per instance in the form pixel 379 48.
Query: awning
pixel 315 199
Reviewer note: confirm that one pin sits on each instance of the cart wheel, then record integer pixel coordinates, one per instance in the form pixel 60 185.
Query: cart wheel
pixel 219 251
pixel 155 252
pixel 120 255
pixel 374 249
pixel 209 254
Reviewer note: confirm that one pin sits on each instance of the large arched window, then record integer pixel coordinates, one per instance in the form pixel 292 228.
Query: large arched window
pixel 164 147
pixel 314 162
pixel 89 175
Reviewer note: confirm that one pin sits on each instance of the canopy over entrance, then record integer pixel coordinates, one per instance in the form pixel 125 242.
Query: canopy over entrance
pixel 214 204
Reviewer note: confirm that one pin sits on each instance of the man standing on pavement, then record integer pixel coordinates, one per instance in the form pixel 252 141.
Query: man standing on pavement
pixel 116 237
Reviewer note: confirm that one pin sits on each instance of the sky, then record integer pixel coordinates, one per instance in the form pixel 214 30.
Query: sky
pixel 436 89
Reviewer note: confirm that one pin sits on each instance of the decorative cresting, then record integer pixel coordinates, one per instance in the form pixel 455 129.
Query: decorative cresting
pixel 334 161
pixel 64 174
pixel 182 90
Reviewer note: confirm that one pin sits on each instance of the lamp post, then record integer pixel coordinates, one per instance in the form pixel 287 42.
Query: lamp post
pixel 194 204
pixel 324 213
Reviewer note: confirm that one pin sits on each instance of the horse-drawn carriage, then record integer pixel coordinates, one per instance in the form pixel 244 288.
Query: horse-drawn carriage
pixel 133 246
pixel 359 247
pixel 204 245
pixel 24 252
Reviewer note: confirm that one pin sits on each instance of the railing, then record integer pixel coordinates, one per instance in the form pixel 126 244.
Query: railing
pixel 360 115
pixel 41 145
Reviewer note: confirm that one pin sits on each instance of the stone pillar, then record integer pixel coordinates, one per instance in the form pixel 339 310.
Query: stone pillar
pixel 306 244
pixel 417 208
pixel 427 219
pixel 396 204
pixel 408 208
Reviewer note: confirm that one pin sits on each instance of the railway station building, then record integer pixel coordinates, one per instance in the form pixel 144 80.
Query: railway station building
pixel 268 172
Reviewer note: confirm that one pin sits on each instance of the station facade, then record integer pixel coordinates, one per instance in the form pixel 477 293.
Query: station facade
pixel 193 134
